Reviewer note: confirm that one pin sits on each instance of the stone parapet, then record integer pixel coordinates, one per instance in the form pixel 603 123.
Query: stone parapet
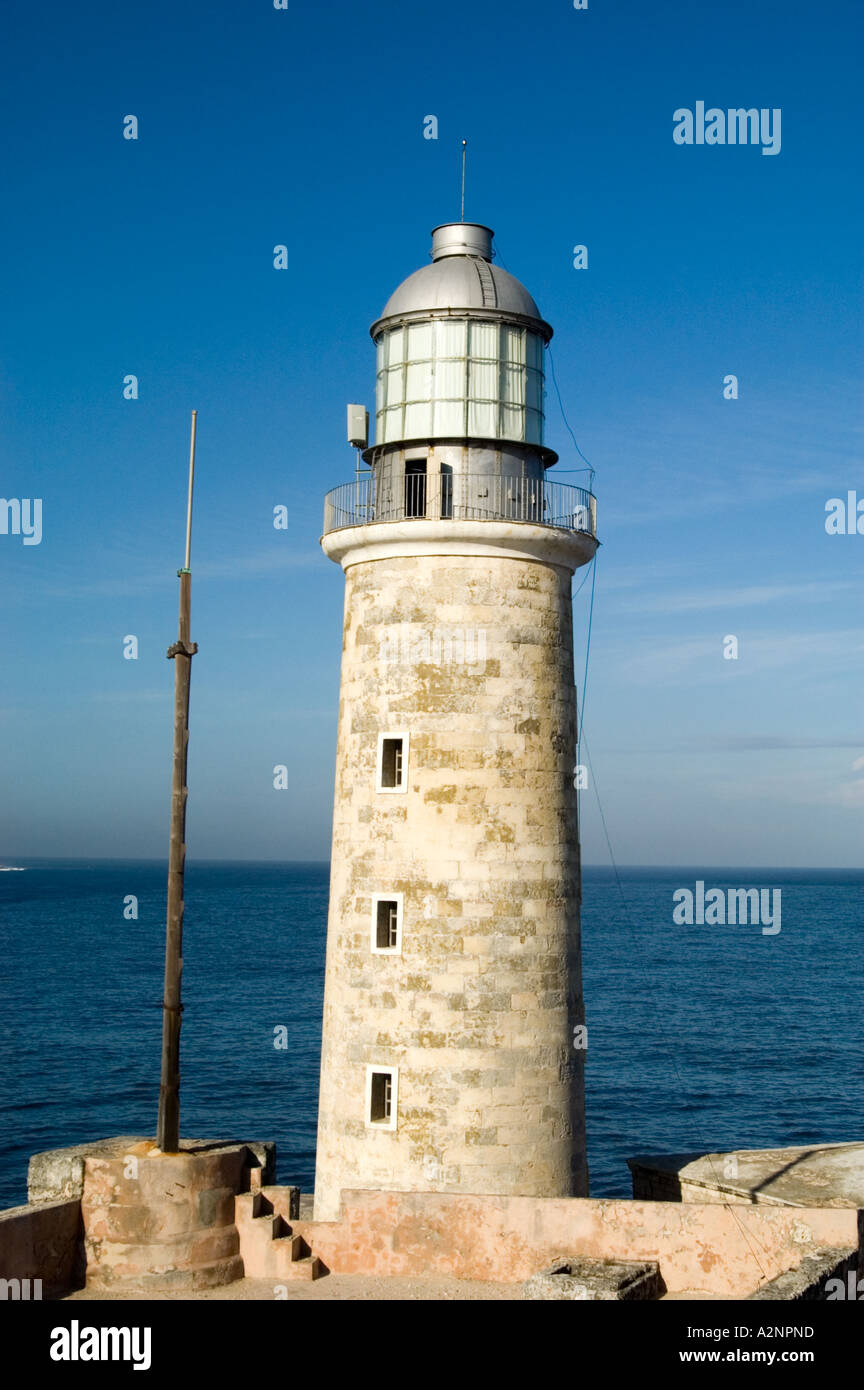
pixel 703 1249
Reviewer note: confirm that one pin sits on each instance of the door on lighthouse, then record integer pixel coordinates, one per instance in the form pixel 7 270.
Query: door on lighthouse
pixel 415 487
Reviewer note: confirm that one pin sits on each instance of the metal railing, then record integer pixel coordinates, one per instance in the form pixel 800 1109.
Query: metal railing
pixel 461 497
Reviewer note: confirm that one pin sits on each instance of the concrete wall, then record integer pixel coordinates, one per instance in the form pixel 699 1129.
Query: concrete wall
pixel 478 1010
pixel 702 1248
pixel 654 1185
pixel 42 1242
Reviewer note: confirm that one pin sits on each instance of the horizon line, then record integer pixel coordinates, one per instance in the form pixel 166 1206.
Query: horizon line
pixel 153 859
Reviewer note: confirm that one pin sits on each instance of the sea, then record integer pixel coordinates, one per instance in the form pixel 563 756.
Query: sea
pixel 699 1037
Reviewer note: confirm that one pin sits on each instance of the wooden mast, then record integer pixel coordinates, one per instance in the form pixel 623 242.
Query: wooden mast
pixel 168 1125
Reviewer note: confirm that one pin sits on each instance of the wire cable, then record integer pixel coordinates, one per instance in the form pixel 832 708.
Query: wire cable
pixel 591 469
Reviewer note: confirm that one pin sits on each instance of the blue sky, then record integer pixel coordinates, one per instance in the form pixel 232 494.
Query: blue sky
pixel 305 127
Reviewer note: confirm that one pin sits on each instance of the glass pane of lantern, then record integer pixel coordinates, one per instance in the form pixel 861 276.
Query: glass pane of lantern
pixel 419 341
pixel 418 386
pixel 393 386
pixel 391 427
pixel 513 381
pixel 418 420
pixel 395 347
pixel 450 339
pixel 514 344
pixel 449 417
pixel 483 380
pixel 483 419
pixel 534 391
pixel 535 352
pixel 484 340
pixel 512 422
pixel 449 378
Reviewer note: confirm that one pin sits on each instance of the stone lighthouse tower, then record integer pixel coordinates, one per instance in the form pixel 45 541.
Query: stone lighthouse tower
pixel 453 979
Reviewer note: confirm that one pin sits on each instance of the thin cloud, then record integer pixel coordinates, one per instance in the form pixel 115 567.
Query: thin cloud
pixel 700 660
pixel 153 581
pixel 122 697
pixel 755 743
pixel 850 795
pixel 748 597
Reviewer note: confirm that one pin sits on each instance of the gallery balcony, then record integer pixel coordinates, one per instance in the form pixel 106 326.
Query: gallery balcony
pixel 461 497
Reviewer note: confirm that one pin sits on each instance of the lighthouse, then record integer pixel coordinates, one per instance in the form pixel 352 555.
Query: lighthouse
pixel 452 1047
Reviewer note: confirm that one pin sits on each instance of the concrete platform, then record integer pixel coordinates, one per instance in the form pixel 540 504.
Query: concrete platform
pixel 773 1223
pixel 339 1288
pixel 824 1175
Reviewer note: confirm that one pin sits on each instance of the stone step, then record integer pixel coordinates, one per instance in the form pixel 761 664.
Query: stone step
pixel 289 1247
pixel 268 1245
pixel 285 1201
pixel 309 1267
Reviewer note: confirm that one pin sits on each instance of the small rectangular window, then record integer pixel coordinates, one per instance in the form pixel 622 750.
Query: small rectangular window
pixel 392 762
pixel 381 1088
pixel 382 1097
pixel 387 924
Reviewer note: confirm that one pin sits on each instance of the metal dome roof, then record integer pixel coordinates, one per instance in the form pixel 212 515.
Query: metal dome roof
pixel 461 276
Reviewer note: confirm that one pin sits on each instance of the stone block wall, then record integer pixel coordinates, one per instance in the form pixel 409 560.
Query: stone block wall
pixel 477 1011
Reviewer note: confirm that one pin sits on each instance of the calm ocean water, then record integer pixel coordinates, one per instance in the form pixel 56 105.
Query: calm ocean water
pixel 699 1037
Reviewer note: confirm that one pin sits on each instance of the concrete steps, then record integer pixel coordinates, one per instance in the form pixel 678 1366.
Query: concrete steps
pixel 269 1248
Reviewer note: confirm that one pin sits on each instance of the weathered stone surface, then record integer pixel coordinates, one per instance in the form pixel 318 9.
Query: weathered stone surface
pixel 43 1242
pixel 483 846
pixel 164 1220
pixel 707 1249
pixel 123 1215
pixel 814 1175
pixel 153 1219
pixel 58 1174
pixel 806 1284
pixel 595 1281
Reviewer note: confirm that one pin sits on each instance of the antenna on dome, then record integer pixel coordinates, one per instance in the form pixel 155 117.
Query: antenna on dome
pixel 464 152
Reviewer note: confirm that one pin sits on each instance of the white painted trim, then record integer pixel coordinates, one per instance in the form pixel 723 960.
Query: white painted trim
pixel 393 1073
pixel 377 898
pixel 517 540
pixel 392 733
